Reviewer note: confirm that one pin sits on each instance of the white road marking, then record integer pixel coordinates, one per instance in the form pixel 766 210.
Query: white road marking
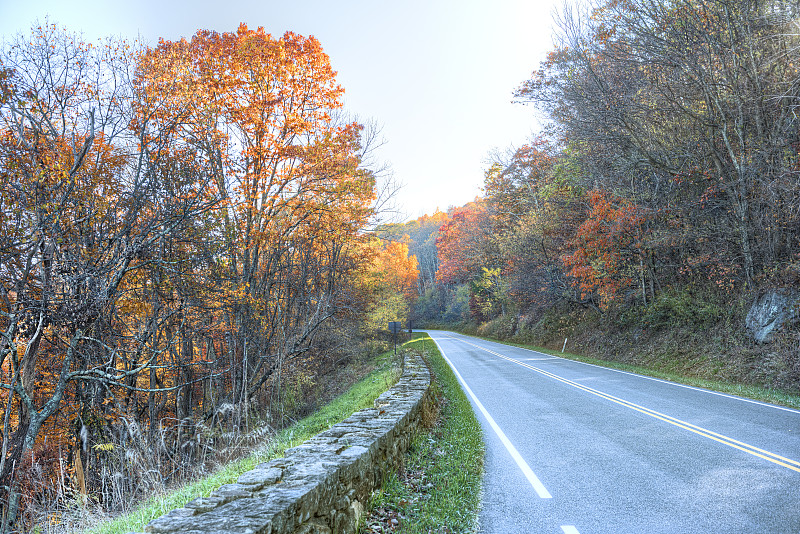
pixel 569 529
pixel 541 491
pixel 702 390
pixel 788 463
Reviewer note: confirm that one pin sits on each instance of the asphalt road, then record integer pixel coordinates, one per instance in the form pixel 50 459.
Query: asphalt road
pixel 575 448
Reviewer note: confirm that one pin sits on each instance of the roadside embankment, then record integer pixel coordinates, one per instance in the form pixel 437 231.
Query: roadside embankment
pixel 438 488
pixel 320 486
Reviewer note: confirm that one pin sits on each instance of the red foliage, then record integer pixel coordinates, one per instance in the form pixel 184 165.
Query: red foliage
pixel 463 244
pixel 603 245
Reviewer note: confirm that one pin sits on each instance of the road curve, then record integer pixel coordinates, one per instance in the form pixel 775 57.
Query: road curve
pixel 576 448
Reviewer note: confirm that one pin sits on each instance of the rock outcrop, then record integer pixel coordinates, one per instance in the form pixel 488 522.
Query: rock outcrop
pixel 320 486
pixel 771 310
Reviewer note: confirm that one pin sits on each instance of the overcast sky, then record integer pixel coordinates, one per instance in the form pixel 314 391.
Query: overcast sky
pixel 438 76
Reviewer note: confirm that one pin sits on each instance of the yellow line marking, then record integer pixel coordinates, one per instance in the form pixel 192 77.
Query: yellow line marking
pixel 788 463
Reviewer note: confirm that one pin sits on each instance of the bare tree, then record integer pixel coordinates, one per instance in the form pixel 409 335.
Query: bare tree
pixel 85 200
pixel 686 105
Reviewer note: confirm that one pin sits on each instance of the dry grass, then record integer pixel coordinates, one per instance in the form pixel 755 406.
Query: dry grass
pixel 229 454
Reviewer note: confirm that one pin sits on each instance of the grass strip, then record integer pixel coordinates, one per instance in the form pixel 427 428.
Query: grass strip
pixel 359 396
pixel 438 487
pixel 758 393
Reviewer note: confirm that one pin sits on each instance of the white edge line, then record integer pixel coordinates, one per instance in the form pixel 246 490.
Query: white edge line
pixel 541 491
pixel 702 390
pixel 569 529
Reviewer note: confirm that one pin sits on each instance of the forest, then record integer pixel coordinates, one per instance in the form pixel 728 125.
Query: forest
pixel 659 203
pixel 185 249
pixel 191 236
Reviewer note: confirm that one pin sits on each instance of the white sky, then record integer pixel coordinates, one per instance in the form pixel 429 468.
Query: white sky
pixel 437 75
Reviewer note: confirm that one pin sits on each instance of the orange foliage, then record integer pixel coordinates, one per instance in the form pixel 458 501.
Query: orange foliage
pixel 603 245
pixel 219 207
pixel 515 188
pixel 463 243
pixel 399 270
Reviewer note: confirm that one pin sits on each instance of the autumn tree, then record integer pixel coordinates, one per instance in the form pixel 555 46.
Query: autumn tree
pixel 520 183
pixel 390 284
pixel 178 223
pixel 465 244
pixel 83 204
pixel 263 119
pixel 679 111
pixel 468 249
pixel 534 193
pixel 606 248
pixel 421 235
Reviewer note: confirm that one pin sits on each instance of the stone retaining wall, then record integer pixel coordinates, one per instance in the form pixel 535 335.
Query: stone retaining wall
pixel 320 486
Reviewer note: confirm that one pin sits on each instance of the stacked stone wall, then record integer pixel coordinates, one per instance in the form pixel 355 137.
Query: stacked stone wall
pixel 322 485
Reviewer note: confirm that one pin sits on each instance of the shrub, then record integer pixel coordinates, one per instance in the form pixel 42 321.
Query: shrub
pixel 672 308
pixel 503 327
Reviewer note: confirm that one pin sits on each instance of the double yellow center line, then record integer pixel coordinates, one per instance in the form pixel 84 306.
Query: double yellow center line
pixel 720 438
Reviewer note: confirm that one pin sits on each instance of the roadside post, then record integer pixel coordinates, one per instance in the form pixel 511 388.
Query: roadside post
pixel 394 328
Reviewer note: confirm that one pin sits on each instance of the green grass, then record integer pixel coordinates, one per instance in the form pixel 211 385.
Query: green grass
pixel 438 489
pixel 773 396
pixel 360 396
